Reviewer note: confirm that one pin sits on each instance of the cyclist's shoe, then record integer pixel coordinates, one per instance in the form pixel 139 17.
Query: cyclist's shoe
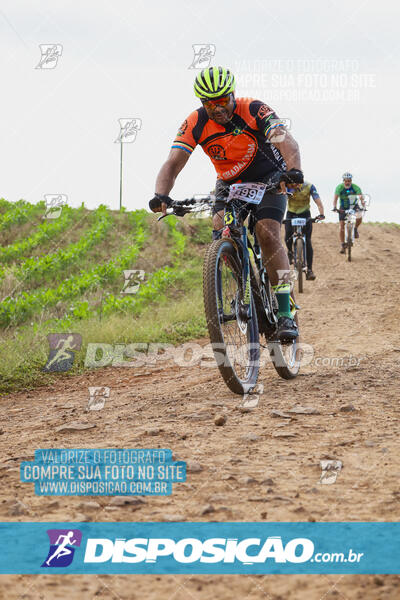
pixel 287 330
pixel 310 275
pixel 356 234
pixel 343 249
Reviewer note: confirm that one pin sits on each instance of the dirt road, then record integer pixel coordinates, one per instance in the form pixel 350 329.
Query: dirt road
pixel 350 312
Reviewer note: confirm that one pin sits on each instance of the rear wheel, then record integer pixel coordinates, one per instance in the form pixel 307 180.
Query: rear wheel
pixel 285 356
pixel 232 327
pixel 298 252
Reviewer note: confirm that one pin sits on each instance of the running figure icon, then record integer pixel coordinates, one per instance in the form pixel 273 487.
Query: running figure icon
pixel 62 353
pixel 62 549
pixel 63 544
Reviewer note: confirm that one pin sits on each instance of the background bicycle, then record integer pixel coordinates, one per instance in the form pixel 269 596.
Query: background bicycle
pixel 300 247
pixel 350 218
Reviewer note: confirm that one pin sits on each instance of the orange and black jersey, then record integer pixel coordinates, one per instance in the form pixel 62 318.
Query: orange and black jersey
pixel 239 150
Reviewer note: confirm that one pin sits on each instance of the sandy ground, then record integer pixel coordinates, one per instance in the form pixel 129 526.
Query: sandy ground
pixel 351 310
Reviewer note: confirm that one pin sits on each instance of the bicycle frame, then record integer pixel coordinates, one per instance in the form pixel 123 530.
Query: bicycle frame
pixel 240 236
pixel 235 229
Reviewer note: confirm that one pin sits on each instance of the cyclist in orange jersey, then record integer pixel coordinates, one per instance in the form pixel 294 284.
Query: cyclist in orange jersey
pixel 246 142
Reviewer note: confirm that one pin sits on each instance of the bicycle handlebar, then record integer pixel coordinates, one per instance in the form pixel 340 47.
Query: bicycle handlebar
pixel 343 210
pixel 182 207
pixel 186 202
pixel 313 220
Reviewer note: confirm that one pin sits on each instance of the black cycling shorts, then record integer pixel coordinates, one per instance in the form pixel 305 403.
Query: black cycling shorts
pixel 272 206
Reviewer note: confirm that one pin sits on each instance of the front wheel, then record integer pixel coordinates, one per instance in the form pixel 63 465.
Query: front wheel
pixel 298 264
pixel 232 323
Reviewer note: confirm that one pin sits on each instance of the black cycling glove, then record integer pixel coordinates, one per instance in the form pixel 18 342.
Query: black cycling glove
pixel 293 176
pixel 155 203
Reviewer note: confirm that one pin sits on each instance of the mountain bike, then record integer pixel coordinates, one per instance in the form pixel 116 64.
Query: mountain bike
pixel 349 227
pixel 299 247
pixel 239 301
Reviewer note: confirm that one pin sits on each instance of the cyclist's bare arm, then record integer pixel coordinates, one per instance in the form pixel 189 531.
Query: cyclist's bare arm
pixel 335 199
pixel 174 164
pixel 289 149
pixel 318 202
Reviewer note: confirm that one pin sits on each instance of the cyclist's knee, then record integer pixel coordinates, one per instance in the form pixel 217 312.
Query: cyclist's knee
pixel 270 241
pixel 269 233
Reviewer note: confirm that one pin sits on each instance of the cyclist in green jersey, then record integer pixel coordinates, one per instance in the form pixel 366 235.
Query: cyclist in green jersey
pixel 350 196
pixel 299 199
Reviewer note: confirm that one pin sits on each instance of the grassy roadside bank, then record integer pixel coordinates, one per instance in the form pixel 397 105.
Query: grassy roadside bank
pixel 148 318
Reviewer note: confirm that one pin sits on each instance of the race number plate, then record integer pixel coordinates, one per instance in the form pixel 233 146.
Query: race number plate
pixel 247 192
pixel 299 222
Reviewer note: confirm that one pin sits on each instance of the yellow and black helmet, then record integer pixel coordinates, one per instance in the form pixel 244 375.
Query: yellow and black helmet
pixel 214 82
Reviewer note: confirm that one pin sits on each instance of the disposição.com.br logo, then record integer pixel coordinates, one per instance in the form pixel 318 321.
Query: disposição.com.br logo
pixel 179 551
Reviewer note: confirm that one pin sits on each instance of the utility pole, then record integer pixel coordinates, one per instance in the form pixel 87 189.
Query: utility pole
pixel 127 135
pixel 120 178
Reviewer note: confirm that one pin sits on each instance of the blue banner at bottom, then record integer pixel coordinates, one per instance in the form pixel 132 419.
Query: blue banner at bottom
pixel 200 548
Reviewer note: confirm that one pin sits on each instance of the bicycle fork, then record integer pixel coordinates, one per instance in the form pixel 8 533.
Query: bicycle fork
pixel 246 275
pixel 349 233
pixel 246 309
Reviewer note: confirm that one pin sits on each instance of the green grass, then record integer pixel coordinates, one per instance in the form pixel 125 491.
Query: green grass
pixel 42 236
pixel 16 310
pixel 20 212
pixel 168 308
pixel 42 269
pixel 390 223
pixel 175 317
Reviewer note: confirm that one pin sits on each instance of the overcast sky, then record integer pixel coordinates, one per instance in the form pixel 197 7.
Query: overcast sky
pixel 330 67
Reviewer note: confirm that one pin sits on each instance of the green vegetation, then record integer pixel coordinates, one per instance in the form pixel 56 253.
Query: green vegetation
pixel 19 213
pixel 16 310
pixel 43 234
pixel 87 278
pixel 49 264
